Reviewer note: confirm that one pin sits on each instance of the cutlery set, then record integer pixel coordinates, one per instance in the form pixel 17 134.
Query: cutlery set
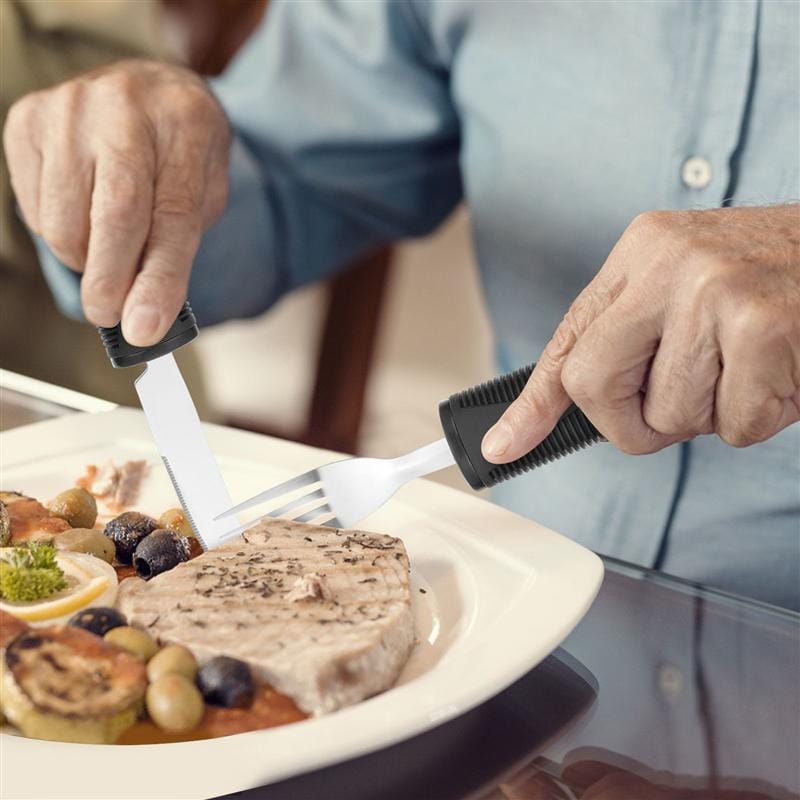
pixel 339 494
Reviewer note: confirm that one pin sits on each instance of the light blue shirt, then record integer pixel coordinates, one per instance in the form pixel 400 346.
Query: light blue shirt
pixel 557 123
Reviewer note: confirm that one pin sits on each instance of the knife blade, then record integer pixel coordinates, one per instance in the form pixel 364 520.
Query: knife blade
pixel 175 425
pixel 184 449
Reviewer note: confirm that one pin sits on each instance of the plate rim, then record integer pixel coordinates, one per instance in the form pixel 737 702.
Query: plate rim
pixel 582 562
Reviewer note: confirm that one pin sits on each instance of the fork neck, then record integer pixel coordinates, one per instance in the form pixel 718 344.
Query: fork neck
pixel 430 458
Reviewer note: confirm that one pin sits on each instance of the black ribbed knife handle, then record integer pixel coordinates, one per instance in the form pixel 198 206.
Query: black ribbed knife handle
pixel 468 415
pixel 124 354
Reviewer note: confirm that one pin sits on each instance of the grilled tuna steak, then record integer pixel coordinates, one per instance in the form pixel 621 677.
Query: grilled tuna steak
pixel 322 615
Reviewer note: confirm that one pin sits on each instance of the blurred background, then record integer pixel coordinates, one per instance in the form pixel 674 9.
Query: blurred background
pixel 358 364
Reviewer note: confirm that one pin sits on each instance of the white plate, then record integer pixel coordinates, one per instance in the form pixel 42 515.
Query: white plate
pixel 501 592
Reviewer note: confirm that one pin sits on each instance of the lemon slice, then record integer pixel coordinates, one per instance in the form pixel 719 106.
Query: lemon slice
pixel 90 581
pixel 61 606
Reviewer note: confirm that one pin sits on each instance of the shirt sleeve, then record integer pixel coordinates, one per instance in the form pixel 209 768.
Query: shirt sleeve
pixel 346 138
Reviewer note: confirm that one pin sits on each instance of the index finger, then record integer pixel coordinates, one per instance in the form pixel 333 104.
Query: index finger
pixel 160 288
pixel 531 417
pixel 119 222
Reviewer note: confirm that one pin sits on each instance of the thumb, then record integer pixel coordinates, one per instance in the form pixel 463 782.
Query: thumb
pixel 528 420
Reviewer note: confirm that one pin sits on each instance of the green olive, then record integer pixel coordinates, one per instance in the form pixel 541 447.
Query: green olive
pixel 133 640
pixel 174 519
pixel 76 506
pixel 173 659
pixel 86 540
pixel 174 703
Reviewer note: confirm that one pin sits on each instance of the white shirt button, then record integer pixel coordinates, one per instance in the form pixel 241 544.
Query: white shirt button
pixel 670 681
pixel 696 172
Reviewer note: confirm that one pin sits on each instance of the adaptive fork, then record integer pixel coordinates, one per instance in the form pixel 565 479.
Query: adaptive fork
pixel 342 493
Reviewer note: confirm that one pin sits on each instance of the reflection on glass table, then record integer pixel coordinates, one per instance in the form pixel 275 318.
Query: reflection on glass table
pixel 698 697
pixel 665 691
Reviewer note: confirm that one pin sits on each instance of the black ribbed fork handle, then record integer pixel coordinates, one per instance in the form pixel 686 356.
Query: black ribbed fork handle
pixel 467 416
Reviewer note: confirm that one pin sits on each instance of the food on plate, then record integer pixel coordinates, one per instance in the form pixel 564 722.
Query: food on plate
pixel 65 684
pixel 86 540
pixel 133 640
pixel 174 703
pixel 28 576
pixel 291 620
pixel 226 682
pixel 172 659
pixel 345 639
pixel 98 620
pixel 76 506
pixel 30 573
pixel 10 628
pixel 160 551
pixel 126 531
pixel 29 519
pixel 5 525
pixel 119 486
pixel 174 519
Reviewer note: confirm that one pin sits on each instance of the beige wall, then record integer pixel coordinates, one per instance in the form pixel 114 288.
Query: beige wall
pixel 435 339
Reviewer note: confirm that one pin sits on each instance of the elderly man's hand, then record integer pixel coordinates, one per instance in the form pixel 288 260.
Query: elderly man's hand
pixel 691 327
pixel 121 170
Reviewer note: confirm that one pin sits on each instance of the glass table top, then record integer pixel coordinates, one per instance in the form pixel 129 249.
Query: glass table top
pixel 666 690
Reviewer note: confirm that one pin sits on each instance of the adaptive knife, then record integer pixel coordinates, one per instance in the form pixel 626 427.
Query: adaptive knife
pixel 175 425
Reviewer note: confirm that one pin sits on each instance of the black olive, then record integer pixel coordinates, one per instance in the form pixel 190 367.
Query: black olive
pixel 126 531
pixel 98 620
pixel 226 682
pixel 160 551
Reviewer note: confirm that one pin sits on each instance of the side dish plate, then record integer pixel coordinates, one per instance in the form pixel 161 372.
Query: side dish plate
pixel 494 594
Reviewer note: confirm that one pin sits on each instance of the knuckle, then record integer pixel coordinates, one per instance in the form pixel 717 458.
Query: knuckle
pixel 161 285
pixel 651 224
pixel 580 381
pixel 120 82
pixel 184 206
pixel 194 102
pixel 673 419
pixel 758 324
pixel 68 98
pixel 103 289
pixel 669 421
pixel 19 116
pixel 67 241
pixel 562 341
pixel 748 426
pixel 632 446
pixel 120 199
pixel 713 279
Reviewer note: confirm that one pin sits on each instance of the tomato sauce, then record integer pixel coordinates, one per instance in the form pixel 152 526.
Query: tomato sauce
pixel 268 710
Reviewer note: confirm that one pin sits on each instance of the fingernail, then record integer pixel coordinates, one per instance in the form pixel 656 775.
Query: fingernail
pixel 101 317
pixel 497 440
pixel 140 324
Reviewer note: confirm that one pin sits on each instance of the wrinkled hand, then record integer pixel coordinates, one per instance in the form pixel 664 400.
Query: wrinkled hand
pixel 121 170
pixel 691 327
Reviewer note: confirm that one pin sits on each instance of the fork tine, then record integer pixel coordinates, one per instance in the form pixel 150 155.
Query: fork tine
pixel 314 513
pixel 332 522
pixel 297 482
pixel 300 501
